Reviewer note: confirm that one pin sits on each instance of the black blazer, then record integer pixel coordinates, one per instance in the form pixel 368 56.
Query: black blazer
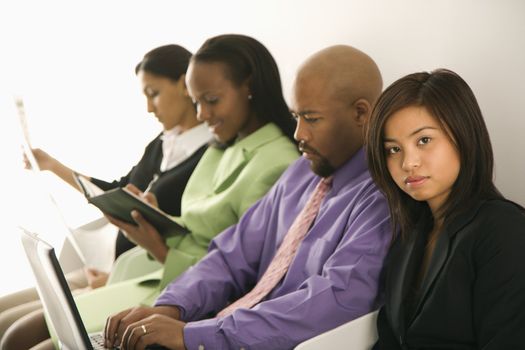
pixel 473 294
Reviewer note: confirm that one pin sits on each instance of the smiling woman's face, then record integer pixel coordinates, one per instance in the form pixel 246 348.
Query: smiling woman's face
pixel 222 104
pixel 421 158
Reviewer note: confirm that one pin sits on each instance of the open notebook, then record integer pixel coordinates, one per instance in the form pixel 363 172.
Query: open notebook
pixel 119 202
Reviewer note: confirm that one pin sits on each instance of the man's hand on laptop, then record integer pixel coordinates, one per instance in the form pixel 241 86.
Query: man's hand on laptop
pixel 138 327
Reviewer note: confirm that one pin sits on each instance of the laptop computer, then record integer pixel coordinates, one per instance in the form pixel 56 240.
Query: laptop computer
pixel 56 296
pixel 57 299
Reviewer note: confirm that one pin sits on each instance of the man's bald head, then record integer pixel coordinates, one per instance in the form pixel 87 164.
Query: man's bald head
pixel 344 71
pixel 333 96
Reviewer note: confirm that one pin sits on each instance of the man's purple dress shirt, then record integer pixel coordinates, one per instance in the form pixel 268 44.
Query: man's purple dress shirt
pixel 333 279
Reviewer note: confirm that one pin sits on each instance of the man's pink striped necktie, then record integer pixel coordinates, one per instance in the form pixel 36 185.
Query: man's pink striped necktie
pixel 286 252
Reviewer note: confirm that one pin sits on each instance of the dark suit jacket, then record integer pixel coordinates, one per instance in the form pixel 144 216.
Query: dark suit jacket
pixel 473 294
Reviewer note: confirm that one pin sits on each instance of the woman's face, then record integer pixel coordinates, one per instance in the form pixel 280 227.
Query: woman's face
pixel 168 100
pixel 223 105
pixel 421 158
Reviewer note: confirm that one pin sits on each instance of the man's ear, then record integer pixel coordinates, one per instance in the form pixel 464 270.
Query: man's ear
pixel 363 109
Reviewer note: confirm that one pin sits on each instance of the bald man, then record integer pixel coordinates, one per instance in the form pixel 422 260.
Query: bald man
pixel 332 275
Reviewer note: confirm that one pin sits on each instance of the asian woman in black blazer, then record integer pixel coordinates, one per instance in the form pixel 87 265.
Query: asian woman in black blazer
pixel 455 273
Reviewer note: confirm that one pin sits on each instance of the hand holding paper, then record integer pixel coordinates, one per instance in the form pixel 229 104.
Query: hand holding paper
pixel 43 159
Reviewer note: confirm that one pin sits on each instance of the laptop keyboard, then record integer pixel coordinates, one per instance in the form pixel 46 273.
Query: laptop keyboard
pixel 97 341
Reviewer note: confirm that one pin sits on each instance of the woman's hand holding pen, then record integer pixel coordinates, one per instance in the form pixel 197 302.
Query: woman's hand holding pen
pixel 143 234
pixel 147 196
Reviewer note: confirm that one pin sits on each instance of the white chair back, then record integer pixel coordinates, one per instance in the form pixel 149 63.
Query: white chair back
pixel 359 334
pixel 92 244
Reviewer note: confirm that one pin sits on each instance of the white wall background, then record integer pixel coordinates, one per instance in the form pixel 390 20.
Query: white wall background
pixel 73 63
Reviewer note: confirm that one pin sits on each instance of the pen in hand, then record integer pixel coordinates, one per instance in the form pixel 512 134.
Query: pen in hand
pixel 150 185
pixel 147 197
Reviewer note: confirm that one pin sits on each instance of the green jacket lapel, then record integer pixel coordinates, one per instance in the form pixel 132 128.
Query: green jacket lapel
pixel 242 151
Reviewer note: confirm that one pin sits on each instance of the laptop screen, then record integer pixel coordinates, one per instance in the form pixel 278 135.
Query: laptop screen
pixel 55 293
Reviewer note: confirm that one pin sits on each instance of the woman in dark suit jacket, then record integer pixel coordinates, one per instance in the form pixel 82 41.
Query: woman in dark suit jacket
pixel 455 276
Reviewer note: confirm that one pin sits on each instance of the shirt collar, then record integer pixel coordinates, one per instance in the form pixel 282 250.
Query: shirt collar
pixel 192 139
pixel 173 132
pixel 351 169
pixel 177 146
